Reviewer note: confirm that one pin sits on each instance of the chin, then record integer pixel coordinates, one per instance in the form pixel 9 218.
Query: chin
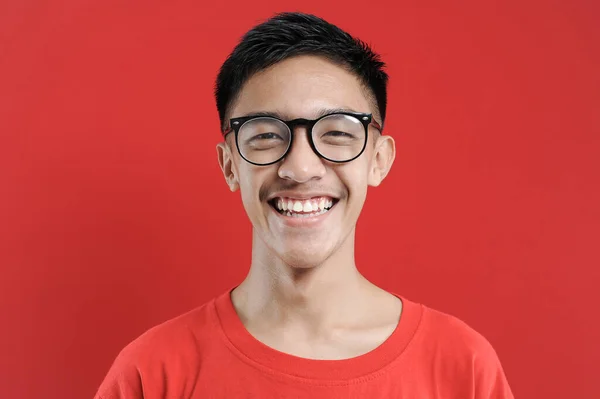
pixel 303 259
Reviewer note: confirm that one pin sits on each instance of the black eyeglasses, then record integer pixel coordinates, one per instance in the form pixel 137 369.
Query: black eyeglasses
pixel 338 137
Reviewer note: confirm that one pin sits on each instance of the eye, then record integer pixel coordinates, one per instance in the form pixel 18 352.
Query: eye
pixel 264 141
pixel 267 136
pixel 338 134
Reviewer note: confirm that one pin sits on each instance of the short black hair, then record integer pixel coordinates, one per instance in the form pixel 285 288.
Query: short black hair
pixel 292 34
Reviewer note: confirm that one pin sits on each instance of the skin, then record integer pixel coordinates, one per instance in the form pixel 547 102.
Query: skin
pixel 303 294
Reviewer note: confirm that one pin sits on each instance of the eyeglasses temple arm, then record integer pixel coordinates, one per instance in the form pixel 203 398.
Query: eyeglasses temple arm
pixel 375 124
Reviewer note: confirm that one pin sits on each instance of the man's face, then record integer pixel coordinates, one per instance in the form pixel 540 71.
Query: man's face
pixel 303 87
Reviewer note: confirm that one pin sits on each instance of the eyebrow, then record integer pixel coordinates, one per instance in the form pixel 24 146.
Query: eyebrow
pixel 320 113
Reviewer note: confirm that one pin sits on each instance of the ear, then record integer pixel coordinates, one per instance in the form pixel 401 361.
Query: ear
pixel 225 158
pixel 381 162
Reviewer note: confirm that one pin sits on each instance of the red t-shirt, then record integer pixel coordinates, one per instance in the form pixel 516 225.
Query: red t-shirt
pixel 207 353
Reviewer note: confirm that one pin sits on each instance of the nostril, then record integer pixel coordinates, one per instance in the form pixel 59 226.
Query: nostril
pixel 301 169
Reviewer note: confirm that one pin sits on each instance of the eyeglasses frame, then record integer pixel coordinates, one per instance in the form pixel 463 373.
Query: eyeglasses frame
pixel 235 125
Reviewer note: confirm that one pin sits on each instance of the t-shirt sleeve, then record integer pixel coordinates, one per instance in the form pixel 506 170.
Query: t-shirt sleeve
pixel 465 363
pixel 158 364
pixel 490 380
pixel 123 381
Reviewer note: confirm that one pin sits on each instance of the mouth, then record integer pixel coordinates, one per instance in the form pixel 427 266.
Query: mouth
pixel 302 208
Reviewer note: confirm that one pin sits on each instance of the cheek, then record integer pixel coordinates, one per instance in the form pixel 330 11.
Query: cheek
pixel 251 180
pixel 355 179
pixel 249 192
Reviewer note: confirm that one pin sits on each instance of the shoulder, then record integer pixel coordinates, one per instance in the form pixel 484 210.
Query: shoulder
pixel 174 348
pixel 194 326
pixel 458 354
pixel 452 333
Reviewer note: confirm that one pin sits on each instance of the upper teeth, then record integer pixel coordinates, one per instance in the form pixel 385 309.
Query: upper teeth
pixel 309 205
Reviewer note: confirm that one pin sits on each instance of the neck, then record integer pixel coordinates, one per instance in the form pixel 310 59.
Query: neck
pixel 323 295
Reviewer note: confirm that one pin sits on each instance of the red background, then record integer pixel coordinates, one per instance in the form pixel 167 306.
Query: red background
pixel 114 215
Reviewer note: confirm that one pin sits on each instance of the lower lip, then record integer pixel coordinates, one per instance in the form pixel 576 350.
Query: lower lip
pixel 310 221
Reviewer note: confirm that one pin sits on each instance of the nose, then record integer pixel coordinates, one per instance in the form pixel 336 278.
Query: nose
pixel 301 164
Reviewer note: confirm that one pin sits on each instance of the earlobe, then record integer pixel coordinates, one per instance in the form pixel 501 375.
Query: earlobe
pixel 382 160
pixel 225 159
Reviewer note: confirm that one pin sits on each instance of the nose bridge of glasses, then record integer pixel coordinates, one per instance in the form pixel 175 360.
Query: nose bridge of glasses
pixel 301 162
pixel 300 138
pixel 304 125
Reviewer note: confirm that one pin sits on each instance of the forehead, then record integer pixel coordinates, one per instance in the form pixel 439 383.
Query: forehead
pixel 301 87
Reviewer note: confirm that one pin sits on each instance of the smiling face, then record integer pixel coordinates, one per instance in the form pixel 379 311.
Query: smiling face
pixel 303 208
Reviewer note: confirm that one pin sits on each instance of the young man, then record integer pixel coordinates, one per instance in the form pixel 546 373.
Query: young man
pixel 302 105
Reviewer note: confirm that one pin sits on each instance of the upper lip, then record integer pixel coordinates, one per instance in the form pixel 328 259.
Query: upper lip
pixel 301 195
